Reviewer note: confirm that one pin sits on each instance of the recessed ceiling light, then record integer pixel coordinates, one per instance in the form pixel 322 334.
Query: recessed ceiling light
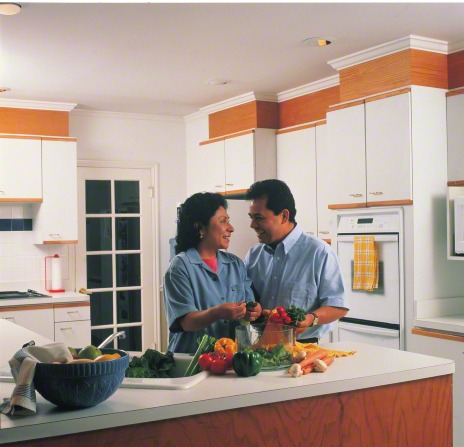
pixel 217 81
pixel 319 41
pixel 4 89
pixel 9 9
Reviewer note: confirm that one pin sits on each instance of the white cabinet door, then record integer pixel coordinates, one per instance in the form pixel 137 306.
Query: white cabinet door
pixel 325 216
pixel 36 320
pixel 346 155
pixel 388 149
pixel 20 169
pixel 239 162
pixel 75 334
pixel 455 130
pixel 296 166
pixel 211 170
pixel 56 217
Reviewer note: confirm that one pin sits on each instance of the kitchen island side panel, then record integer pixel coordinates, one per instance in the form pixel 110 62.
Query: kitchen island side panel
pixel 411 414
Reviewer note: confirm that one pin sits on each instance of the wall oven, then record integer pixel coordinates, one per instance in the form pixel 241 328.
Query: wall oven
pixel 375 317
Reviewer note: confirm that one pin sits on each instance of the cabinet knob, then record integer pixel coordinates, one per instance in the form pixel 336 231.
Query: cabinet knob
pixel 355 195
pixel 376 193
pixel 324 232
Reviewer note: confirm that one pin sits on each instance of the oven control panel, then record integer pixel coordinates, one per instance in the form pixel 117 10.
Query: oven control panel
pixel 374 223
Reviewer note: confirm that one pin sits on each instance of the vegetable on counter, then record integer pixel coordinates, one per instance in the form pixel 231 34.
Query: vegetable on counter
pixel 205 345
pixel 152 364
pixel 225 346
pixel 276 356
pixel 247 363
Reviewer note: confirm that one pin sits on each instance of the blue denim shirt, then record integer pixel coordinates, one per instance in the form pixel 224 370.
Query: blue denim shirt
pixel 190 285
pixel 302 270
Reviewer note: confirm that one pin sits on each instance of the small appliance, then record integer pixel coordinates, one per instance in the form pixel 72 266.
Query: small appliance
pixel 54 264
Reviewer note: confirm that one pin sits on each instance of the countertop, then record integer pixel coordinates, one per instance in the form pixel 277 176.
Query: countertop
pixel 54 298
pixel 444 314
pixel 370 367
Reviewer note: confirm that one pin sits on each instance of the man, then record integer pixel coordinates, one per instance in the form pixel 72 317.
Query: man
pixel 289 266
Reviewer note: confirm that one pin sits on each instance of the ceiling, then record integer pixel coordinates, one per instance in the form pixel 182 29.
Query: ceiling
pixel 155 58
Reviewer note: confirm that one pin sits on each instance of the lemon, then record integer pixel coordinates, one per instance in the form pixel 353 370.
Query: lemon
pixel 89 352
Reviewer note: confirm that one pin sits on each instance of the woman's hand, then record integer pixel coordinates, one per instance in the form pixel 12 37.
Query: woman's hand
pixel 253 312
pixel 232 311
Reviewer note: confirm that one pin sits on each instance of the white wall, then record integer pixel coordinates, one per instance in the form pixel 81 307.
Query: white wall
pixel 139 138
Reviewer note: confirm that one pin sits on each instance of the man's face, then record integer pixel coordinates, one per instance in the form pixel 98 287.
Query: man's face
pixel 269 227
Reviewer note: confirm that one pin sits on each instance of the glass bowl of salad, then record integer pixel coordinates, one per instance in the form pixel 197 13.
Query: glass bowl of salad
pixel 274 341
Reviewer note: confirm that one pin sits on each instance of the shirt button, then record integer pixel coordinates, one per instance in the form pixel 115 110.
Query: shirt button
pixel 233 288
pixel 222 298
pixel 275 277
pixel 278 258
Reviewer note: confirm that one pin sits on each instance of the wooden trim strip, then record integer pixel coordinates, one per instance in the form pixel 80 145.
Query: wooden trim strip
pixel 20 137
pixel 61 242
pixel 295 129
pixel 213 140
pixel 321 123
pixel 345 105
pixel 28 307
pixel 59 139
pixel 21 200
pixel 235 191
pixel 459 91
pixel 433 334
pixel 388 94
pixel 79 304
pixel 239 134
pixel 390 203
pixel 346 206
pixel 456 183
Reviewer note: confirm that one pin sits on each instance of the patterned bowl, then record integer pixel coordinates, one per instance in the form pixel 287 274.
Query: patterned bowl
pixel 81 385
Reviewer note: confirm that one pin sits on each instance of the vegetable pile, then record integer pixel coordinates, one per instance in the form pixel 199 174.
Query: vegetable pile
pixel 152 364
pixel 307 362
pixel 290 316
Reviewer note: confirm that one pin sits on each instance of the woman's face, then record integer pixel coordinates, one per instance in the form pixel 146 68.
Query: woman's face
pixel 217 233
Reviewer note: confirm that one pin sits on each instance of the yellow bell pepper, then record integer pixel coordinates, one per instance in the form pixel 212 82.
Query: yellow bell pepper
pixel 225 346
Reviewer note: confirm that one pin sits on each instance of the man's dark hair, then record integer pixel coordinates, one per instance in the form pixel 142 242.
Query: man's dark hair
pixel 278 194
pixel 194 213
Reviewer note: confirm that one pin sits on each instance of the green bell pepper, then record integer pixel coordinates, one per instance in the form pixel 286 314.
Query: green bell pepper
pixel 247 363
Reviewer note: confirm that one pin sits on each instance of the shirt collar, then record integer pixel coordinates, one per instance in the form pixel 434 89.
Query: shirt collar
pixel 194 257
pixel 289 241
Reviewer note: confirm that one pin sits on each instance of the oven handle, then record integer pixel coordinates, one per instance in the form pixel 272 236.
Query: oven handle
pixel 377 237
pixel 369 330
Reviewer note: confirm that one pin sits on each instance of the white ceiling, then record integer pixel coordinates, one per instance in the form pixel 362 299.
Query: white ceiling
pixel 155 58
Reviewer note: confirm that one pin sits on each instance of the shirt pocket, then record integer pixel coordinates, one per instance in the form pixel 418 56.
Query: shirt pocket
pixel 300 294
pixel 236 293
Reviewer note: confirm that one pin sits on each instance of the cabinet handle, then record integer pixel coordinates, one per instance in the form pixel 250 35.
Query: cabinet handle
pixel 355 195
pixel 55 235
pixel 65 329
pixel 218 186
pixel 8 318
pixel 310 232
pixel 376 193
pixel 229 184
pixel 324 232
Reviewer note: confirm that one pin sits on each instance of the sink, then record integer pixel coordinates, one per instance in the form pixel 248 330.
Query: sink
pixel 176 382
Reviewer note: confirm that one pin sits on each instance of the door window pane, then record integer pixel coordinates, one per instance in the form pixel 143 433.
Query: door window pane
pixel 128 270
pixel 98 233
pixel 127 233
pixel 133 340
pixel 126 196
pixel 129 306
pixel 97 196
pixel 99 271
pixel 101 308
pixel 100 335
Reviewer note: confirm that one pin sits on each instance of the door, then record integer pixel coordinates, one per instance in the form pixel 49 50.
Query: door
pixel 116 257
pixel 239 155
pixel 212 168
pixel 383 304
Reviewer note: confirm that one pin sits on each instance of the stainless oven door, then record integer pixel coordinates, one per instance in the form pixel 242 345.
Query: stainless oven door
pixel 382 304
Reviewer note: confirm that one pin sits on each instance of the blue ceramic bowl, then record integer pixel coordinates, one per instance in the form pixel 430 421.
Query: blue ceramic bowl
pixel 81 385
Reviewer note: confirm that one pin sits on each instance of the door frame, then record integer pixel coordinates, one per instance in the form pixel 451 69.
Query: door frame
pixel 154 168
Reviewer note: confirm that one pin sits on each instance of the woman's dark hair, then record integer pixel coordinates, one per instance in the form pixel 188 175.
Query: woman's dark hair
pixel 279 196
pixel 194 214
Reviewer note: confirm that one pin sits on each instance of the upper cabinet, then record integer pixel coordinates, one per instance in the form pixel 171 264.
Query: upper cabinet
pixel 232 163
pixel 369 151
pixel 20 169
pixel 55 220
pixel 455 129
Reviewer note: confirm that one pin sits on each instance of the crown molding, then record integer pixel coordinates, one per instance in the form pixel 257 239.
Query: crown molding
pixel 456 46
pixel 312 87
pixel 37 105
pixel 394 46
pixel 124 115
pixel 238 100
pixel 195 116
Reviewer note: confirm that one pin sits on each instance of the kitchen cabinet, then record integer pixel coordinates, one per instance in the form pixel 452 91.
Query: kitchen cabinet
pixel 37 319
pixel 232 163
pixel 55 220
pixel 301 163
pixel 20 169
pixel 72 324
pixel 369 151
pixel 455 132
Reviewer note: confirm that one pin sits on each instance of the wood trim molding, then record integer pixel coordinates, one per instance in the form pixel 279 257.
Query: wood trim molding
pixel 459 91
pixel 434 334
pixel 235 191
pixel 68 139
pixel 429 69
pixel 61 242
pixel 390 203
pixel 27 307
pixel 21 200
pixel 401 91
pixel 345 105
pixel 213 140
pixel 78 304
pixel 456 183
pixel 239 134
pixel 267 115
pixel 295 129
pixel 21 137
pixel 34 122
pixel 456 70
pixel 342 206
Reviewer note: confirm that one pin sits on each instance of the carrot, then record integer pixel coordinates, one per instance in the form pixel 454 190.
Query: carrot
pixel 321 365
pixel 308 369
pixel 310 358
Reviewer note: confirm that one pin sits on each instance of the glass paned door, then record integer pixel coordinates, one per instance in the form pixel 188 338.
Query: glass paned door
pixel 115 257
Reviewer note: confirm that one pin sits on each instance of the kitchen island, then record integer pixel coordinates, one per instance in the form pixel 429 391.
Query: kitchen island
pixel 377 397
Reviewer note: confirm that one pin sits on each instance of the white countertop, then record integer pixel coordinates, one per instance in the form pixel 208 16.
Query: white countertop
pixel 54 298
pixel 370 367
pixel 444 314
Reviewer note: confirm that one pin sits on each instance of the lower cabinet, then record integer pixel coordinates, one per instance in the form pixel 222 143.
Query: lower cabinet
pixel 36 319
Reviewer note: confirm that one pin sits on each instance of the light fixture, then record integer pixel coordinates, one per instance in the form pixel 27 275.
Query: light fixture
pixel 9 9
pixel 217 81
pixel 319 41
pixel 4 89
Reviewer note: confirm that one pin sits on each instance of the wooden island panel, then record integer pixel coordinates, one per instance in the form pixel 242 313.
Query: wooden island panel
pixel 409 414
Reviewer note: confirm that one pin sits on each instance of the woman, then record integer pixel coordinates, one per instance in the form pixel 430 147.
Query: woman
pixel 205 288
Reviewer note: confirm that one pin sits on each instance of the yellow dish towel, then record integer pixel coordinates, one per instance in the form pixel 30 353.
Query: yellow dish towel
pixel 366 264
